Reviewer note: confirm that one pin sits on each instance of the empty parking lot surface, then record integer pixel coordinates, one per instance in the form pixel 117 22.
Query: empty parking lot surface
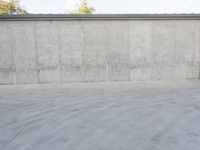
pixel 157 115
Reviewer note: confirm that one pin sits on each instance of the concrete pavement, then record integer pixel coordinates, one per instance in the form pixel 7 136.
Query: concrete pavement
pixel 157 115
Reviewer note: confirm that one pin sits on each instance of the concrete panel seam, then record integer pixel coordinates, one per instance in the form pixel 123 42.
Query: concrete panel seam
pixel 59 52
pixel 12 55
pixel 36 51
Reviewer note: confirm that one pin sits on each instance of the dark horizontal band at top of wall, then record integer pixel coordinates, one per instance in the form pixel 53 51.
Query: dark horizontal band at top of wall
pixel 52 17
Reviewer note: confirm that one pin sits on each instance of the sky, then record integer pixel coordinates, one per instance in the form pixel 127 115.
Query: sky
pixel 114 6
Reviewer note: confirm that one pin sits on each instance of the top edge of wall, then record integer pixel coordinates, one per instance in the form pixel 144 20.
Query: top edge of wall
pixel 60 17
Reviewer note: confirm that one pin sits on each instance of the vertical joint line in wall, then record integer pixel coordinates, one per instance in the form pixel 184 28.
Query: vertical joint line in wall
pixel 13 67
pixel 150 47
pixel 199 51
pixel 36 53
pixel 129 51
pixel 83 50
pixel 107 53
pixel 59 53
pixel 173 36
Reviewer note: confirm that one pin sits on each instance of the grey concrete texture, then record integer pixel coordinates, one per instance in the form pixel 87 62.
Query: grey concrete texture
pixel 150 115
pixel 99 50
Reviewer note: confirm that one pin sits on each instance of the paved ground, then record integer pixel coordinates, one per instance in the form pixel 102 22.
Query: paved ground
pixel 101 116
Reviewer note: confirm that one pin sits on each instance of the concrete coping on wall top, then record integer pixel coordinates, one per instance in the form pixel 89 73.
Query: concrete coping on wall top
pixel 60 17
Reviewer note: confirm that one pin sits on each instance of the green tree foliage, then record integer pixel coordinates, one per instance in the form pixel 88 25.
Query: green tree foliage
pixel 11 7
pixel 84 8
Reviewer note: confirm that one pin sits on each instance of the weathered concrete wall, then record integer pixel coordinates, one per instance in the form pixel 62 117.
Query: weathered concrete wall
pixel 112 50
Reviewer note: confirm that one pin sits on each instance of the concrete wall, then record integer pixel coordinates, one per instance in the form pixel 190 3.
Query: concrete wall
pixel 112 50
